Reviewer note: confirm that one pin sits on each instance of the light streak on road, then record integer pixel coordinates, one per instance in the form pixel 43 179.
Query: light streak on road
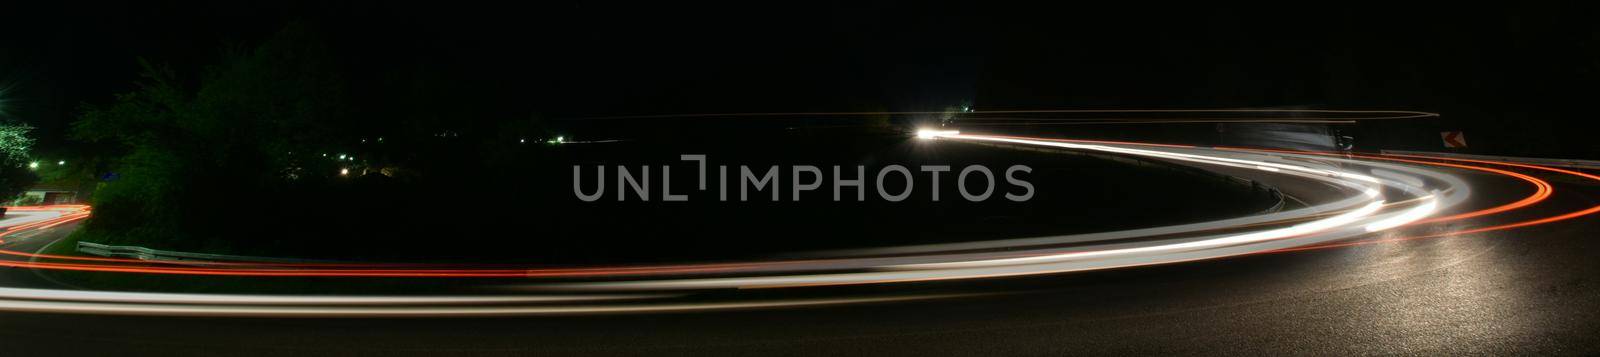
pixel 1412 215
pixel 1384 193
pixel 307 306
pixel 381 270
pixel 933 134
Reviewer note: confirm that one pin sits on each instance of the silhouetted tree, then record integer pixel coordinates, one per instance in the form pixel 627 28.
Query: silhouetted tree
pixel 15 175
pixel 207 157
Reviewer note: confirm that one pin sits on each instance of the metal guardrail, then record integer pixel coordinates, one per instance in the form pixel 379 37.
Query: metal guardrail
pixel 142 253
pixel 1581 164
pixel 1254 186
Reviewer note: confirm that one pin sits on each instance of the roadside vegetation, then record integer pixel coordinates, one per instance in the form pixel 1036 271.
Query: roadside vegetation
pixel 287 149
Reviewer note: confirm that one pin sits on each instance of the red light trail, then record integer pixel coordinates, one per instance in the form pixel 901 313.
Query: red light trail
pixel 1542 191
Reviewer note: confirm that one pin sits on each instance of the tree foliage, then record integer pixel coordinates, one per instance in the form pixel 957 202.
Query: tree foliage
pixel 15 176
pixel 247 130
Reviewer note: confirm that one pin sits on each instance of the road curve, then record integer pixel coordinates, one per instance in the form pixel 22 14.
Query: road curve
pixel 1404 254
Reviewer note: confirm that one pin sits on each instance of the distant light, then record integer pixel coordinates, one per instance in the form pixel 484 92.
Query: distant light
pixel 62 162
pixel 33 165
pixel 931 133
pixel 341 156
pixel 344 172
pixel 560 139
pixel 966 109
pixel 324 155
pixel 522 141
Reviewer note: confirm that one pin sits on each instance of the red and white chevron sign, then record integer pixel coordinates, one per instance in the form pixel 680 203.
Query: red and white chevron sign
pixel 1454 139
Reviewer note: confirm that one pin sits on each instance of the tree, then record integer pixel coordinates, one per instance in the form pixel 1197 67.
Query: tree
pixel 258 123
pixel 15 175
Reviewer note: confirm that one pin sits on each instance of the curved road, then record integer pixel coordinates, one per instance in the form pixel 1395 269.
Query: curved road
pixel 1428 286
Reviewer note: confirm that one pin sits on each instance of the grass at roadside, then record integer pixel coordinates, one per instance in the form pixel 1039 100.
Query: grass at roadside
pixel 191 284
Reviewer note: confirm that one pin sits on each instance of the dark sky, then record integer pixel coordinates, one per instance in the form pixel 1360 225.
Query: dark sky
pixel 559 59
pixel 1519 67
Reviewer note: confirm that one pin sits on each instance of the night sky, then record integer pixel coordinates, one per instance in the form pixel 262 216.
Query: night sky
pixel 1515 76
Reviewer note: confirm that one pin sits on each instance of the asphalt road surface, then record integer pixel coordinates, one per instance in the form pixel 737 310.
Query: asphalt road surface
pixel 1526 290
